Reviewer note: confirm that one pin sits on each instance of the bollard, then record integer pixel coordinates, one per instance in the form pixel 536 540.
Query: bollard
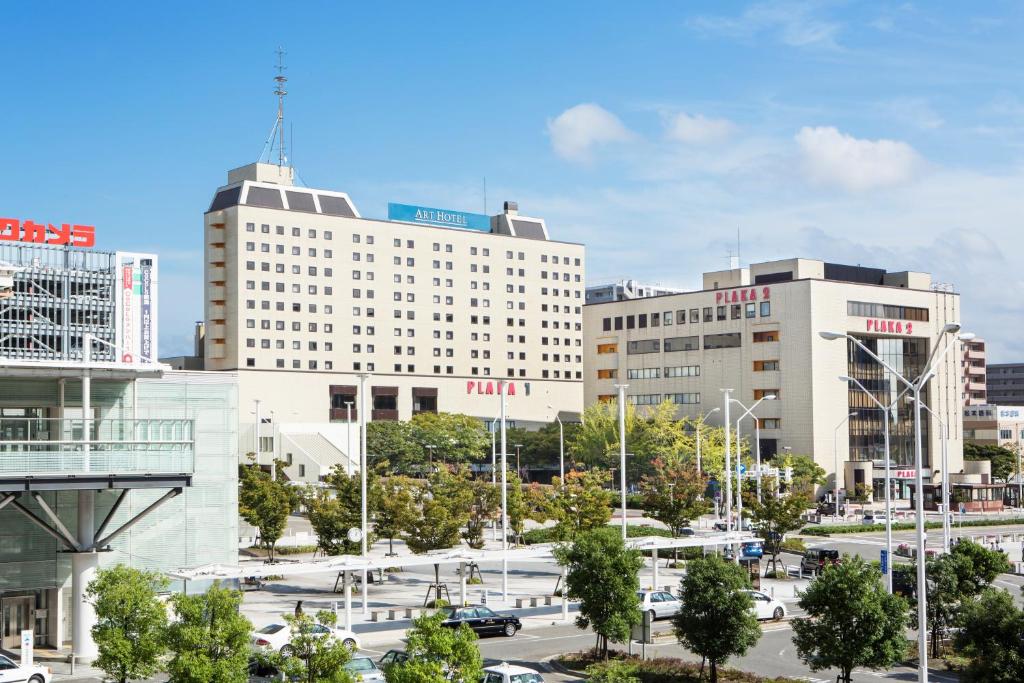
pixel 772 592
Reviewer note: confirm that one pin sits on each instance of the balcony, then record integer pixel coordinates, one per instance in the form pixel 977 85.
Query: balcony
pixel 215 254
pixel 53 449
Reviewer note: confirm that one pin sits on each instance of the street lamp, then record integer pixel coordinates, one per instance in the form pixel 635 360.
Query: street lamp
pixel 519 470
pixel 944 432
pixel 835 464
pixel 700 428
pixel 915 388
pixel 362 480
pixel 348 434
pixel 887 413
pixel 749 411
pixel 561 448
pixel 494 472
pixel 622 451
pixel 727 500
pixel 504 495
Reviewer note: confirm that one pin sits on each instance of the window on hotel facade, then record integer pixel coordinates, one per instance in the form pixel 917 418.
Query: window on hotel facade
pixel 631 322
pixel 683 371
pixel 645 399
pixel 737 311
pixel 709 314
pixel 607 348
pixel 694 315
pixel 655 319
pixel 761 393
pixel 762 337
pixel 618 322
pixel 729 340
pixel 683 399
pixel 682 343
pixel 871 310
pixel 751 310
pixel 766 365
pixel 643 346
pixel 607 373
pixel 721 312
pixel 667 317
pixel 770 423
pixel 643 373
pixel 766 309
pixel 606 325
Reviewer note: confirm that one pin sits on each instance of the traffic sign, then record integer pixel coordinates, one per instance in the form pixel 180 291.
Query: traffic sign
pixel 885 562
pixel 742 468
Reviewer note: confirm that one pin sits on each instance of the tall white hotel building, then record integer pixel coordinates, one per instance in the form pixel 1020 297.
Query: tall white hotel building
pixel 303 294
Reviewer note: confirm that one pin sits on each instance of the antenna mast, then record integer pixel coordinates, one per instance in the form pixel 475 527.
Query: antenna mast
pixel 280 91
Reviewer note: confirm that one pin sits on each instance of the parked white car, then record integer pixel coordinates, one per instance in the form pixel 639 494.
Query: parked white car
pixel 364 669
pixel 659 604
pixel 874 518
pixel 509 673
pixel 11 672
pixel 276 637
pixel 766 607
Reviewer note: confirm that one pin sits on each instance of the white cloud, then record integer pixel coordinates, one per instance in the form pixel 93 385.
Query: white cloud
pixel 794 24
pixel 578 130
pixel 832 158
pixel 697 129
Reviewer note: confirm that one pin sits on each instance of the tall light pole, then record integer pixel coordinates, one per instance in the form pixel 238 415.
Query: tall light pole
pixel 944 433
pixel 519 470
pixel 727 499
pixel 749 411
pixel 259 418
pixel 835 464
pixel 494 470
pixel 561 449
pixel 622 451
pixel 502 384
pixel 362 479
pixel 700 428
pixel 915 388
pixel 348 434
pixel 886 414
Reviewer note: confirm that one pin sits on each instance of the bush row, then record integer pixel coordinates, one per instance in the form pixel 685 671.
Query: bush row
pixel 658 670
pixel 548 534
pixel 828 530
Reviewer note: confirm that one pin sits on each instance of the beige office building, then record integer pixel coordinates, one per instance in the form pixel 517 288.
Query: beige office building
pixel 755 330
pixel 303 295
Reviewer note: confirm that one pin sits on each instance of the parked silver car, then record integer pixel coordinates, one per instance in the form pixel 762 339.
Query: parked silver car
pixel 659 604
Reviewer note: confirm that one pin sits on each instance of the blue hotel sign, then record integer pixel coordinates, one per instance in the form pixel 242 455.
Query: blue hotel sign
pixel 439 217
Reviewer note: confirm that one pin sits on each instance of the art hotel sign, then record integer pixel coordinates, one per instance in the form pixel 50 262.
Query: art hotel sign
pixel 444 218
pixel 66 234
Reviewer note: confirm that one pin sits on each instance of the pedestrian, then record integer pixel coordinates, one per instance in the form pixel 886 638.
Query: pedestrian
pixel 298 608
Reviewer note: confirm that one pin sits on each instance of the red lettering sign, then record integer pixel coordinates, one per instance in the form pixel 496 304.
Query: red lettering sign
pixel 489 388
pixel 14 230
pixel 736 296
pixel 889 326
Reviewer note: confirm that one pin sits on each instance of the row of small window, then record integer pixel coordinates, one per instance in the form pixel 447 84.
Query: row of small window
pixel 295 251
pixel 296 326
pixel 296 345
pixel 711 341
pixel 296 364
pixel 279 287
pixel 558 374
pixel 295 232
pixel 296 307
pixel 865 309
pixel 672 371
pixel 710 314
pixel 554 276
pixel 297 270
pixel 656 399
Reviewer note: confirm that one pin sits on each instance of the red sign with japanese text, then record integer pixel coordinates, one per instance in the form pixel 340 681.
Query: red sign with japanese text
pixel 488 388
pixel 14 230
pixel 737 296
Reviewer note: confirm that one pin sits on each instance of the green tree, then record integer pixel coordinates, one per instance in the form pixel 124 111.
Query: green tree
pixel 209 641
pixel 596 442
pixel 392 441
pixel 540 447
pixel 851 620
pixel 807 474
pixel 455 438
pixel 991 639
pixel 443 510
pixel 394 507
pixel 438 654
pixel 264 503
pixel 130 622
pixel 603 574
pixel 673 493
pixel 718 621
pixel 311 657
pixel 332 512
pixel 582 503
pixel 773 518
pixel 1004 460
pixel 486 503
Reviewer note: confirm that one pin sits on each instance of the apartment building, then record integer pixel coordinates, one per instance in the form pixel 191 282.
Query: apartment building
pixel 625 289
pixel 304 295
pixel 975 379
pixel 1005 384
pixel 755 330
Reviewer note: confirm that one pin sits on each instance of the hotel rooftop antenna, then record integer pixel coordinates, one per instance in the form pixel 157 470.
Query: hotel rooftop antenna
pixel 277 132
pixel 280 79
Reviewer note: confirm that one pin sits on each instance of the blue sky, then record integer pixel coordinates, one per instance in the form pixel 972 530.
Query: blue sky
pixel 887 134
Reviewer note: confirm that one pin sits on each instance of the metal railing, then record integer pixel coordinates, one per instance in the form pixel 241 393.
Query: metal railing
pixel 45 447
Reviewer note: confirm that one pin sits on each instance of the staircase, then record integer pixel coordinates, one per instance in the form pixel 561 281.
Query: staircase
pixel 312 456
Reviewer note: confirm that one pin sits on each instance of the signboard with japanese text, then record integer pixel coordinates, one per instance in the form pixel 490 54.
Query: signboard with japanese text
pixel 137 307
pixel 56 234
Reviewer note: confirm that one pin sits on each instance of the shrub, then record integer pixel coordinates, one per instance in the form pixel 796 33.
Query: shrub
pixel 794 545
pixel 657 670
pixel 828 530
pixel 550 535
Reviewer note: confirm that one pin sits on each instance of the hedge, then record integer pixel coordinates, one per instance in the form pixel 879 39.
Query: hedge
pixel 547 534
pixel 828 530
pixel 659 670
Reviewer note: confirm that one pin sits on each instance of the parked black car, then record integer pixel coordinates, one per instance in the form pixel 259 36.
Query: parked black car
pixel 815 560
pixel 481 619
pixel 393 657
